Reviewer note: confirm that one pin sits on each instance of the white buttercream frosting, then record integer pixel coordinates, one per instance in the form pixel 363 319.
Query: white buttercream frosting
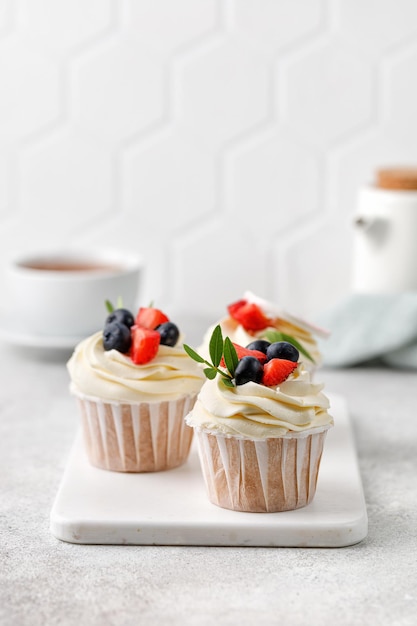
pixel 113 376
pixel 256 412
pixel 281 320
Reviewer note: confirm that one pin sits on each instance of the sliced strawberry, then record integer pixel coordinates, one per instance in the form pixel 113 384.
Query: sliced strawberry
pixel 235 306
pixel 241 352
pixel 276 371
pixel 148 317
pixel 249 315
pixel 145 344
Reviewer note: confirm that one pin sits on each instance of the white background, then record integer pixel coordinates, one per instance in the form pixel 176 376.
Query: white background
pixel 224 140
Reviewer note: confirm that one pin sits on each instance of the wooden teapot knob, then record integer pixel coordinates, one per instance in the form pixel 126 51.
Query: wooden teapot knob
pixel 397 178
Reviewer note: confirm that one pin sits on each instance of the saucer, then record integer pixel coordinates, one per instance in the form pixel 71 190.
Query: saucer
pixel 14 335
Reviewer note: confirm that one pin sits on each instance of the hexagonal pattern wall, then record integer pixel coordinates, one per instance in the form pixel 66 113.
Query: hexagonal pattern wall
pixel 224 140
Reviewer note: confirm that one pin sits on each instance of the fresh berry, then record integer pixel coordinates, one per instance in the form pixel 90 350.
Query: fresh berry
pixel 248 369
pixel 282 350
pixel 276 371
pixel 249 315
pixel 261 345
pixel 235 306
pixel 121 315
pixel 242 352
pixel 169 333
pixel 116 336
pixel 148 317
pixel 145 344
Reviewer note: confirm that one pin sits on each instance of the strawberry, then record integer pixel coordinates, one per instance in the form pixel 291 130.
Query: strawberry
pixel 241 352
pixel 145 344
pixel 235 306
pixel 148 317
pixel 276 371
pixel 249 315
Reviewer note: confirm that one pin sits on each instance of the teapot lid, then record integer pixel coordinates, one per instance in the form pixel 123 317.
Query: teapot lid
pixel 400 178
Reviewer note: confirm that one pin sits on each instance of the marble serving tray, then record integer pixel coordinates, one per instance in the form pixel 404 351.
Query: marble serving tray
pixel 95 506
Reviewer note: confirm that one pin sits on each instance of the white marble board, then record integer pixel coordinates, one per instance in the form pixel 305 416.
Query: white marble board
pixel 96 506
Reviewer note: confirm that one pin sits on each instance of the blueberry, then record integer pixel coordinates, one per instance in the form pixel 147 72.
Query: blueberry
pixel 116 336
pixel 169 333
pixel 261 345
pixel 120 315
pixel 248 369
pixel 282 350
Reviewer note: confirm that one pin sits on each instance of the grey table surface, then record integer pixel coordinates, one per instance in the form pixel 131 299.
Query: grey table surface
pixel 45 581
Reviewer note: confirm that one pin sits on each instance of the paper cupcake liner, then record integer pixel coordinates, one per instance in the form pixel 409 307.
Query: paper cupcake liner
pixel 144 437
pixel 265 476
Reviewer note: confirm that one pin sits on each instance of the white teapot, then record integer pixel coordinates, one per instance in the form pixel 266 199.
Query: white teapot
pixel 385 243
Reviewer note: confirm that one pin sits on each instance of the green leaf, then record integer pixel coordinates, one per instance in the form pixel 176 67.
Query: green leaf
pixel 109 306
pixel 210 372
pixel 230 356
pixel 193 354
pixel 275 335
pixel 119 302
pixel 227 382
pixel 216 346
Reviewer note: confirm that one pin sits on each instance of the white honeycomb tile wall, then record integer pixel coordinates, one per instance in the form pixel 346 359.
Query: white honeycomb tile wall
pixel 225 140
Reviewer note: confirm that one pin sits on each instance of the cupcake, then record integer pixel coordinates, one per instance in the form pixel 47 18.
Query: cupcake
pixel 260 424
pixel 134 384
pixel 252 318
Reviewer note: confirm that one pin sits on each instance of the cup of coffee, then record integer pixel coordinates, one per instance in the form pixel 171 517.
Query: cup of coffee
pixel 64 293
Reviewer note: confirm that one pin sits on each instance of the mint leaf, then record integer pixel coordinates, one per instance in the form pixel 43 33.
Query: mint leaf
pixel 109 306
pixel 216 346
pixel 193 354
pixel 210 372
pixel 230 356
pixel 275 335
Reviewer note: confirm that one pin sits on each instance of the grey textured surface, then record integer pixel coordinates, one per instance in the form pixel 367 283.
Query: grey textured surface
pixel 44 581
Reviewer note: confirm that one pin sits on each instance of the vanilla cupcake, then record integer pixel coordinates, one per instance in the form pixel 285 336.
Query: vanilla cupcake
pixel 260 425
pixel 254 318
pixel 134 384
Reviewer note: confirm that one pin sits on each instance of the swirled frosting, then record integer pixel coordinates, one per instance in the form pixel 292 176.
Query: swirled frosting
pixel 281 320
pixel 113 376
pixel 254 411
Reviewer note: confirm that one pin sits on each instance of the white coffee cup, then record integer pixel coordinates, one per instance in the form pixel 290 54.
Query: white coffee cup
pixel 63 293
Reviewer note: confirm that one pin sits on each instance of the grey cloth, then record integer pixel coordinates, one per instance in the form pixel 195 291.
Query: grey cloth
pixel 365 327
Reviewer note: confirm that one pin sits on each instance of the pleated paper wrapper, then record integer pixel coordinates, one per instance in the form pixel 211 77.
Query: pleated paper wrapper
pixel 143 437
pixel 263 476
